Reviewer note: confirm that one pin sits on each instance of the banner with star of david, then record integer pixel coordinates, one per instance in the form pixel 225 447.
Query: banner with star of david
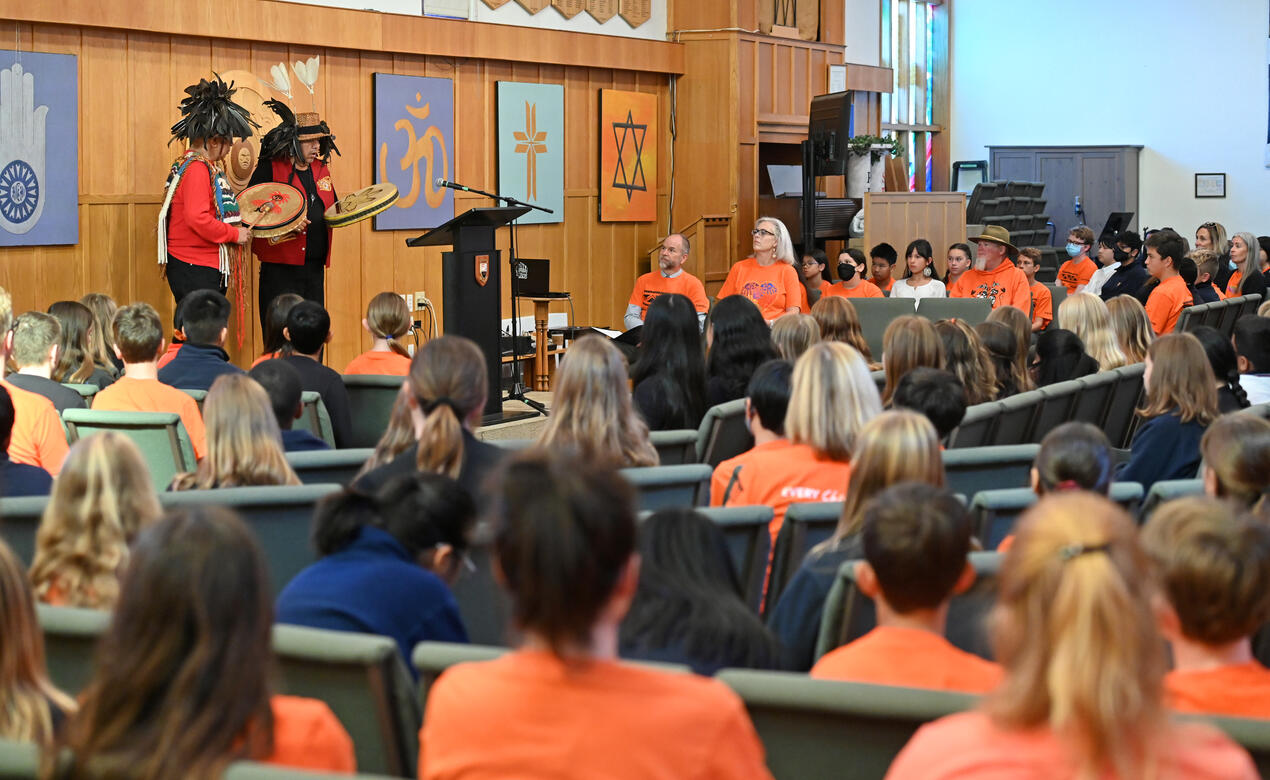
pixel 531 147
pixel 39 166
pixel 628 156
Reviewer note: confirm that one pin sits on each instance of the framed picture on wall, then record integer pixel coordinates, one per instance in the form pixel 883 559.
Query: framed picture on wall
pixel 1210 185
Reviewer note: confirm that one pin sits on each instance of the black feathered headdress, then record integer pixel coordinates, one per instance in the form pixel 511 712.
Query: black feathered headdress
pixel 210 112
pixel 283 141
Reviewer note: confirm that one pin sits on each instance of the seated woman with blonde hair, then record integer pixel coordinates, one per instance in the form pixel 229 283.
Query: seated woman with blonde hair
pixel 1075 629
pixel 100 502
pixel 591 411
pixel 387 319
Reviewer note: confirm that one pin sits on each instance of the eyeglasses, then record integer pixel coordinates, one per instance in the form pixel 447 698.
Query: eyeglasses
pixel 761 232
pixel 812 264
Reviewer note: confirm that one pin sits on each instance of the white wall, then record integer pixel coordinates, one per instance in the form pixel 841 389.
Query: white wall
pixel 1185 79
pixel 863 31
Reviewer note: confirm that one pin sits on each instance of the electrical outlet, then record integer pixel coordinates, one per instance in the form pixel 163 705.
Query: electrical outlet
pixel 420 297
pixel 410 301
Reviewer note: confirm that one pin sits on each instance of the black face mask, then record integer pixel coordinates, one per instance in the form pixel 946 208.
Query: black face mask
pixel 846 271
pixel 1119 255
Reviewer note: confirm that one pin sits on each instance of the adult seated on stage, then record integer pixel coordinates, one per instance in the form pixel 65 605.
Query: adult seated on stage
pixel 205 323
pixel 35 346
pixel 17 479
pixel 282 384
pixel 387 319
pixel 994 275
pixel 768 278
pixel 445 394
pixel 852 271
pixel 309 330
pixel 670 375
pixel 670 277
pixel 738 341
pixel 38 438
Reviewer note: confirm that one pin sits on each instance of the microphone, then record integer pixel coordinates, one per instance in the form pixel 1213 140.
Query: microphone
pixel 439 183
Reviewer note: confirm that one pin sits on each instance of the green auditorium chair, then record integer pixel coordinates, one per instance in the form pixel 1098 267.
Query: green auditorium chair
pixel 675 447
pixel 371 397
pixel 338 467
pixel 749 540
pixel 315 419
pixel 661 487
pixel 722 433
pixel 19 522
pixel 972 469
pixel 161 437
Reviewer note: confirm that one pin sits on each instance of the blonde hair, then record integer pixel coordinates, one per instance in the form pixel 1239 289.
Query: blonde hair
pixel 398 437
pixel 784 250
pixel 793 334
pixel 1021 325
pixel 1086 315
pixel 967 359
pixel 1132 326
pixel 832 396
pixel 388 318
pixel 25 690
pixel 244 445
pixel 1264 309
pixel 839 321
pixel 909 342
pixel 448 383
pixel 1181 379
pixel 592 411
pixel 1237 449
pixel 100 502
pixel 102 338
pixel 1074 587
pixel 896 446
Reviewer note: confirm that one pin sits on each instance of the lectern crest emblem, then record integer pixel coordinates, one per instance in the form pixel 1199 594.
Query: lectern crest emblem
pixel 481 267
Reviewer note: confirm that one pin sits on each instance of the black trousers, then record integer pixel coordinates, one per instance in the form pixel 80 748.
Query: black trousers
pixel 306 280
pixel 184 278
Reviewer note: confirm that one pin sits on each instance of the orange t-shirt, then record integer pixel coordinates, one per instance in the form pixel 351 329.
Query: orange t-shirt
pixel 908 657
pixel 885 286
pixel 773 288
pixel 777 474
pixel 379 363
pixel 128 394
pixel 173 348
pixel 1232 286
pixel 1042 304
pixel 969 744
pixel 1005 285
pixel 865 289
pixel 1239 690
pixel 264 357
pixel 1166 302
pixel 652 284
pixel 1075 273
pixel 307 735
pixel 38 438
pixel 824 287
pixel 528 715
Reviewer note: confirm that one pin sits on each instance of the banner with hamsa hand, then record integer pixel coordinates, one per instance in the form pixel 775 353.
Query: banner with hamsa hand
pixel 531 147
pixel 39 164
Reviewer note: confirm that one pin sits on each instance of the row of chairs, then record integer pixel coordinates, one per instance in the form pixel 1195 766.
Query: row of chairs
pixel 1219 314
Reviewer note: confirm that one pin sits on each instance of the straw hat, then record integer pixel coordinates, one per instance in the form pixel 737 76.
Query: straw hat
pixel 311 127
pixel 997 235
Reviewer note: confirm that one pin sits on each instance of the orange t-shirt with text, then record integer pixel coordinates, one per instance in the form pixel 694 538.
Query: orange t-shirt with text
pixel 38 438
pixel 776 474
pixel 1166 302
pixel 529 715
pixel 911 658
pixel 1075 273
pixel 1042 303
pixel 652 284
pixel 1238 690
pixel 129 394
pixel 307 735
pixel 1004 285
pixel 773 288
pixel 379 364
pixel 865 289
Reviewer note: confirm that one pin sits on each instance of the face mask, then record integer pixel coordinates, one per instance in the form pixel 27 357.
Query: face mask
pixel 1073 250
pixel 1119 255
pixel 846 271
pixel 1233 266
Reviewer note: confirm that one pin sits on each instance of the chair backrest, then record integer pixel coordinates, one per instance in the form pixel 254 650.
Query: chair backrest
pixel 849 614
pixel 722 433
pixel 371 397
pixel 315 419
pixel 1058 294
pixel 162 439
pixel 876 314
pixel 879 379
pixel 19 522
pixel 19 760
pixel 1094 397
pixel 972 311
pixel 1014 424
pixel 1058 401
pixel 972 469
pixel 363 679
pixel 329 467
pixel 197 394
pixel 86 391
pixel 995 512
pixel 977 427
pixel 1118 422
pixel 1251 303
pixel 70 640
pixel 515 445
pixel 662 487
pixel 1214 313
pixel 749 545
pixel 279 515
pixel 1231 308
pixel 251 770
pixel 1191 317
pixel 805 526
pixel 675 447
pixel 1167 490
pixel 430 659
pixel 823 728
pixel 484 605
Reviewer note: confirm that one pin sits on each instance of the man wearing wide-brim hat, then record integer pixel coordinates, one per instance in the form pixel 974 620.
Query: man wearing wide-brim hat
pixel 296 152
pixel 994 275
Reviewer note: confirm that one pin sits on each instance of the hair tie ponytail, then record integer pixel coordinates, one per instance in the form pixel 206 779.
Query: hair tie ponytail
pixel 431 406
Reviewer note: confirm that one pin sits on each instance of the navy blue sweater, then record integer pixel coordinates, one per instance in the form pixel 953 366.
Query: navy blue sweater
pixel 795 620
pixel 1163 448
pixel 196 366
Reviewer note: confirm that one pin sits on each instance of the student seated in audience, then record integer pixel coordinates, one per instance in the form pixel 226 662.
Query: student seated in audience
pixel 398 437
pixel 794 334
pixel 737 342
pixel 1018 322
pixel 35 345
pixel 74 355
pixel 1213 564
pixel 139 337
pixel 1165 251
pixel 894 447
pixel 768 278
pixel 815 275
pixel 965 356
pixel 38 438
pixel 882 259
pixel 102 342
pixel 909 342
pixel 1087 316
pixel 274 328
pixel 387 319
pixel 934 393
pixel 1060 356
pixel 1131 273
pixel 591 410
pixel 669 377
pixel 1252 349
pixel 561 705
pixel 1076 272
pixel 181 685
pixel 1041 313
pixel 1247 278
pixel 101 501
pixel 34 709
pixel 766 403
pixel 1181 400
pixel 959 258
pixel 1236 452
pixel 1189 273
pixel 1075 631
pixel 1132 327
pixel 1205 269
pixel 386 563
pixel 1221 358
pixel 445 395
pixel 688 607
pixel 244 446
pixel 839 321
pixel 308 330
pixel 852 271
pixel 17 479
pixel 916 538
pixel 205 323
pixel 994 276
pixel 921 278
pixel 1107 264
pixel 281 382
pixel 1001 347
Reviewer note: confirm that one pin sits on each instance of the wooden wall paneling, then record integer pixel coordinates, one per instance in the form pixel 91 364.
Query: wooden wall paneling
pixel 900 217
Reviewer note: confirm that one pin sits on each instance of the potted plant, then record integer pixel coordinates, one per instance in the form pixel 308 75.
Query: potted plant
pixel 865 169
